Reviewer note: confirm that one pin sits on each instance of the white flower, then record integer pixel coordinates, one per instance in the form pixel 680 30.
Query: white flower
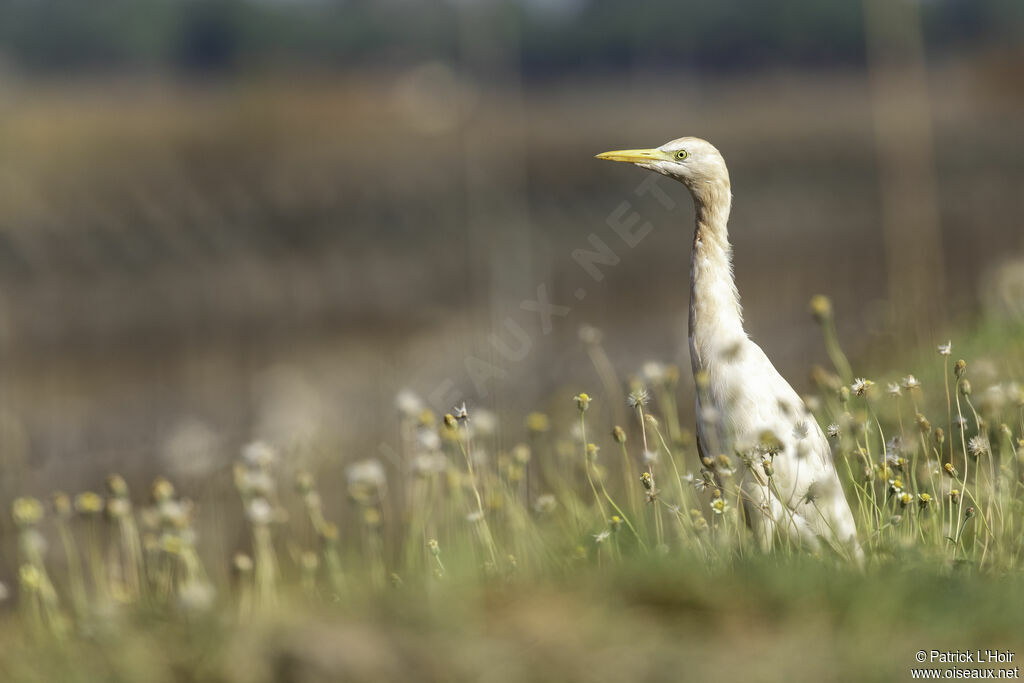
pixel 945 349
pixel 832 430
pixel 893 450
pixel 428 439
pixel 650 457
pixel 190 450
pixel 800 430
pixel 460 412
pixel 196 596
pixel 408 404
pixel 893 389
pixel 993 399
pixel 173 513
pixel 590 335
pixel 654 372
pixel 259 454
pixel 366 472
pixel 545 503
pixel 910 383
pixel 255 482
pixel 576 432
pixel 705 482
pixel 474 516
pixel 430 463
pixel 601 537
pixel 259 512
pixel 718 506
pixel 485 423
pixel 860 386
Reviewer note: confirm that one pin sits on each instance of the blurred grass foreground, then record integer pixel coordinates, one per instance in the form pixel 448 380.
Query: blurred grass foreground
pixel 558 558
pixel 244 243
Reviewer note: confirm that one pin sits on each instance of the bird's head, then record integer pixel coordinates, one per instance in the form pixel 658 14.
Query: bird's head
pixel 692 161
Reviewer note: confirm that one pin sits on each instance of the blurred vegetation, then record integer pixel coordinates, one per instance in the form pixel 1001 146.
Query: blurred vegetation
pixel 472 559
pixel 205 35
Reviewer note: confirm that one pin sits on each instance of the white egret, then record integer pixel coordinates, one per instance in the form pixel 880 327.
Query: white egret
pixel 789 485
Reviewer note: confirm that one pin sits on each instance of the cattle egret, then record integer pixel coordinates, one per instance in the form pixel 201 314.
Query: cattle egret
pixel 789 485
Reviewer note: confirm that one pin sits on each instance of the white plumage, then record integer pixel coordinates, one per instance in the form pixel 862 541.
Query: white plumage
pixel 744 406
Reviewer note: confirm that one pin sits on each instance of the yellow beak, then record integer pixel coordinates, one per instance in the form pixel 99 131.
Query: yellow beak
pixel 633 156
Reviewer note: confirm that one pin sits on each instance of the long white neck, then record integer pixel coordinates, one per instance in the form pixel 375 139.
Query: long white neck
pixel 716 319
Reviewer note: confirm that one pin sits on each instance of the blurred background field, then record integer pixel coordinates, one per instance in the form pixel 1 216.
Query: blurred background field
pixel 228 220
pixel 224 221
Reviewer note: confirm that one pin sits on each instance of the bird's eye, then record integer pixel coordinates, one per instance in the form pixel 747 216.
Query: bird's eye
pixel 682 154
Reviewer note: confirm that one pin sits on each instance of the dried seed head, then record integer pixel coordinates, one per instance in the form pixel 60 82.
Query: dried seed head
pixel 619 434
pixel 638 398
pixel 923 424
pixel 945 349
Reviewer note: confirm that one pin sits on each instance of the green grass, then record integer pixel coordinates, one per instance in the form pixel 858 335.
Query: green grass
pixel 550 559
